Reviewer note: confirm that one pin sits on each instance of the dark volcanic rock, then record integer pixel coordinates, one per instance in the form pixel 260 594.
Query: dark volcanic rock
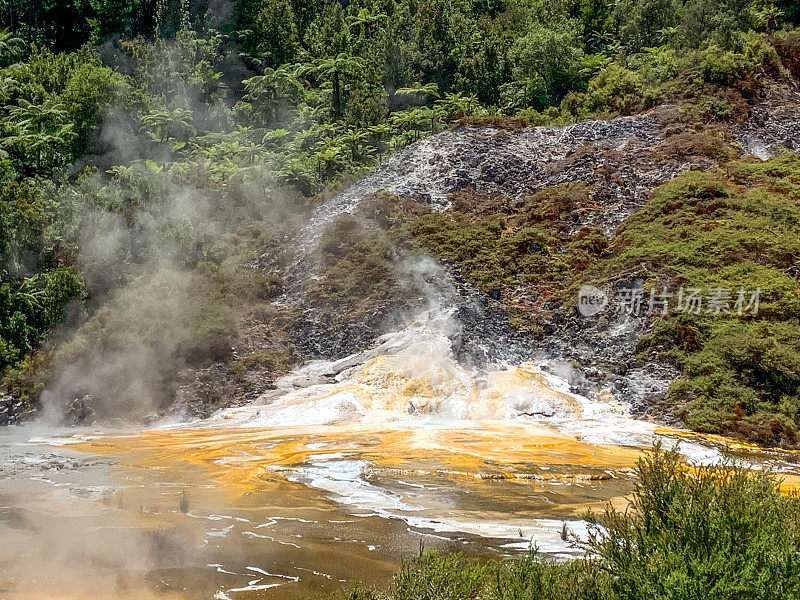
pixel 80 411
pixel 774 123
pixel 14 411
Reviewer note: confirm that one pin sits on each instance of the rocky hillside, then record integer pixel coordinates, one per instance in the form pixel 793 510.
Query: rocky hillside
pixel 519 218
pixel 503 223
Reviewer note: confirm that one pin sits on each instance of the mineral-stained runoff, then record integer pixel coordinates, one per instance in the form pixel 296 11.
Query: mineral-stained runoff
pixel 324 484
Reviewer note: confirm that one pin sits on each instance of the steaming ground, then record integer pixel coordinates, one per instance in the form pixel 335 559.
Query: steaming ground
pixel 343 469
pixel 330 481
pixel 127 356
pixel 444 431
pixel 337 475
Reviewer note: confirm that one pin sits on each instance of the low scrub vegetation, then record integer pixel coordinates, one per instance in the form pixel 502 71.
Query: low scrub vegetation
pixel 737 228
pixel 357 272
pixel 502 247
pixel 716 533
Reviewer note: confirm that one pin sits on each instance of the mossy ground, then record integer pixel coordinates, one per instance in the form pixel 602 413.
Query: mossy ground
pixel 738 227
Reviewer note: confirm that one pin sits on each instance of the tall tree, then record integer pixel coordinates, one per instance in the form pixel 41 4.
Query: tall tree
pixel 275 26
pixel 336 69
pixel 40 134
pixel 596 23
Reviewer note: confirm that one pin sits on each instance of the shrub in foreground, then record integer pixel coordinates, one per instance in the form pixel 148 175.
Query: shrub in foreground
pixel 718 533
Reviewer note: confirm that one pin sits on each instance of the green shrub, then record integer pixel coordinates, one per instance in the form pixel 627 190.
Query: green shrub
pixel 786 43
pixel 274 361
pixel 615 88
pixel 434 576
pixel 210 329
pixel 706 533
pixel 720 532
pixel 26 380
pixel 535 578
pixel 722 66
pixel 699 143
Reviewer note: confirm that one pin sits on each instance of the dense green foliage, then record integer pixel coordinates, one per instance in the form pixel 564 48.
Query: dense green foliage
pixel 52 101
pixel 718 533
